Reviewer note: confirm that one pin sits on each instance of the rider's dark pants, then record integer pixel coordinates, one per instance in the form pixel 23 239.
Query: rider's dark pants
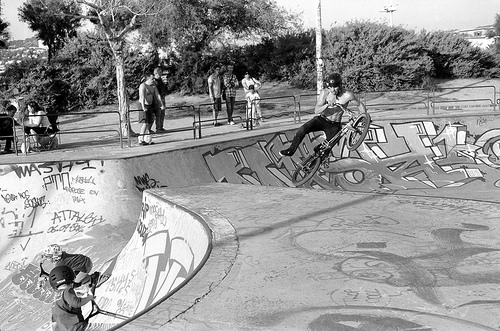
pixel 317 123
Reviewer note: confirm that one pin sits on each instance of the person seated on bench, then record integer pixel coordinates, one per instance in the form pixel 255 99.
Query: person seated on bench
pixel 36 124
pixel 7 126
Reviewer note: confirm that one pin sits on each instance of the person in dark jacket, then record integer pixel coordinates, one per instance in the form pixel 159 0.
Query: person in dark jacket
pixel 67 312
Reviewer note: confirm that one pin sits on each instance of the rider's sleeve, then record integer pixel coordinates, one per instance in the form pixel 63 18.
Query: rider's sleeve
pixel 75 301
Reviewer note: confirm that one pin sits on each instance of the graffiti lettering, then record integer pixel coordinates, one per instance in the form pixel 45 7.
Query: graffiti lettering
pixel 144 182
pixel 158 216
pixel 26 170
pixel 15 265
pixel 89 219
pixel 27 278
pixel 83 180
pixel 144 210
pixel 143 232
pixel 9 197
pixel 18 226
pixel 35 202
pixel 74 190
pixel 78 199
pixel 92 192
pixel 481 121
pixel 59 180
pixel 74 227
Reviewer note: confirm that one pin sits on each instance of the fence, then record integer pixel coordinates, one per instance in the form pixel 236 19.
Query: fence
pixel 177 129
pixel 431 101
pixel 275 108
pixel 209 118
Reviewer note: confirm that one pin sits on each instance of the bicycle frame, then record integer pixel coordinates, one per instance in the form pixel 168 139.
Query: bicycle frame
pixel 353 129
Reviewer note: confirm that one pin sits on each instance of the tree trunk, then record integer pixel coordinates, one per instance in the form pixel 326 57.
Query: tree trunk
pixel 122 95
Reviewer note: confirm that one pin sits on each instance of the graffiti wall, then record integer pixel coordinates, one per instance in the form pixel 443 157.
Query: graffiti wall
pixel 69 203
pixel 420 157
pixel 446 157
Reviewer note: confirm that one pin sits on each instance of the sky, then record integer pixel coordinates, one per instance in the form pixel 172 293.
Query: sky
pixel 430 15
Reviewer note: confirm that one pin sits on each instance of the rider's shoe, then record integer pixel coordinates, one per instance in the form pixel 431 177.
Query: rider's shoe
pixel 286 152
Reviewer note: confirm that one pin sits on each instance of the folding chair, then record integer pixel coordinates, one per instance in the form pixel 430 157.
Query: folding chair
pixel 48 140
pixel 41 141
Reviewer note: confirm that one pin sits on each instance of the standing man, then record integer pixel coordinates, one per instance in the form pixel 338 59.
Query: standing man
pixel 162 90
pixel 150 100
pixel 215 92
pixel 230 84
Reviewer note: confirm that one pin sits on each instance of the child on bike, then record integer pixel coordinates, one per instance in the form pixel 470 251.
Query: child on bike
pixel 79 263
pixel 253 105
pixel 329 112
pixel 67 311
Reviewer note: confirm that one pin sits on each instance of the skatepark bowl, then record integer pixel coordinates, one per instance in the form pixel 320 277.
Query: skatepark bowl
pixel 210 234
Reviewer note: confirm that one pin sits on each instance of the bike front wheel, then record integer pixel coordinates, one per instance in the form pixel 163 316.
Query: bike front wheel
pixel 360 129
pixel 306 170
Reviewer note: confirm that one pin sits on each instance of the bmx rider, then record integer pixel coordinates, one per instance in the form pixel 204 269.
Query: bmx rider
pixel 329 113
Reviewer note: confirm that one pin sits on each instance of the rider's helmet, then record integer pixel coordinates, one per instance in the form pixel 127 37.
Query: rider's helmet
pixel 53 252
pixel 334 80
pixel 61 275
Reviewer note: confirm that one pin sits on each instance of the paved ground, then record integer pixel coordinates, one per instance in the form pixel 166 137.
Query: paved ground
pixel 321 260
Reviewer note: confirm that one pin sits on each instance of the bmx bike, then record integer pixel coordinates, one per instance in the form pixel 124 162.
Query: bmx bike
pixel 354 132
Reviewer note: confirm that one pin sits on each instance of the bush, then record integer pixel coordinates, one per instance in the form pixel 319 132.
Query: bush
pixel 453 56
pixel 373 56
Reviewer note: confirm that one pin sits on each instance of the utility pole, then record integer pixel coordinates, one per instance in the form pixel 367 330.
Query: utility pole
pixel 319 57
pixel 390 8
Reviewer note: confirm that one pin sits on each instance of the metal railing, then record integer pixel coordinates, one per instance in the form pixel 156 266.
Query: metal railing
pixel 295 104
pixel 429 99
pixel 179 129
pixel 206 108
pixel 73 131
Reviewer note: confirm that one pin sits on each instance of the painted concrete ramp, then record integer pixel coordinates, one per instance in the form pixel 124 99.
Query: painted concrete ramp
pixel 320 260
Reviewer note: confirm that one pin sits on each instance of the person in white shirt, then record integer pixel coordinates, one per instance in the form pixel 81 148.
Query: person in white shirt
pixel 215 92
pixel 36 123
pixel 249 80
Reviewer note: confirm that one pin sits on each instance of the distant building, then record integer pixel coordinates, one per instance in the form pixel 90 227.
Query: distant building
pixel 481 36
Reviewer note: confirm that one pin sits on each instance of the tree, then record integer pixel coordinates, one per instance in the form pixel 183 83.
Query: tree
pixel 4 33
pixel 54 22
pixel 198 29
pixel 197 25
pixel 116 19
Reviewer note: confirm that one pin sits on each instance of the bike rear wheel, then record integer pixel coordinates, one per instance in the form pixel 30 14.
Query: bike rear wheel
pixel 306 170
pixel 360 129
